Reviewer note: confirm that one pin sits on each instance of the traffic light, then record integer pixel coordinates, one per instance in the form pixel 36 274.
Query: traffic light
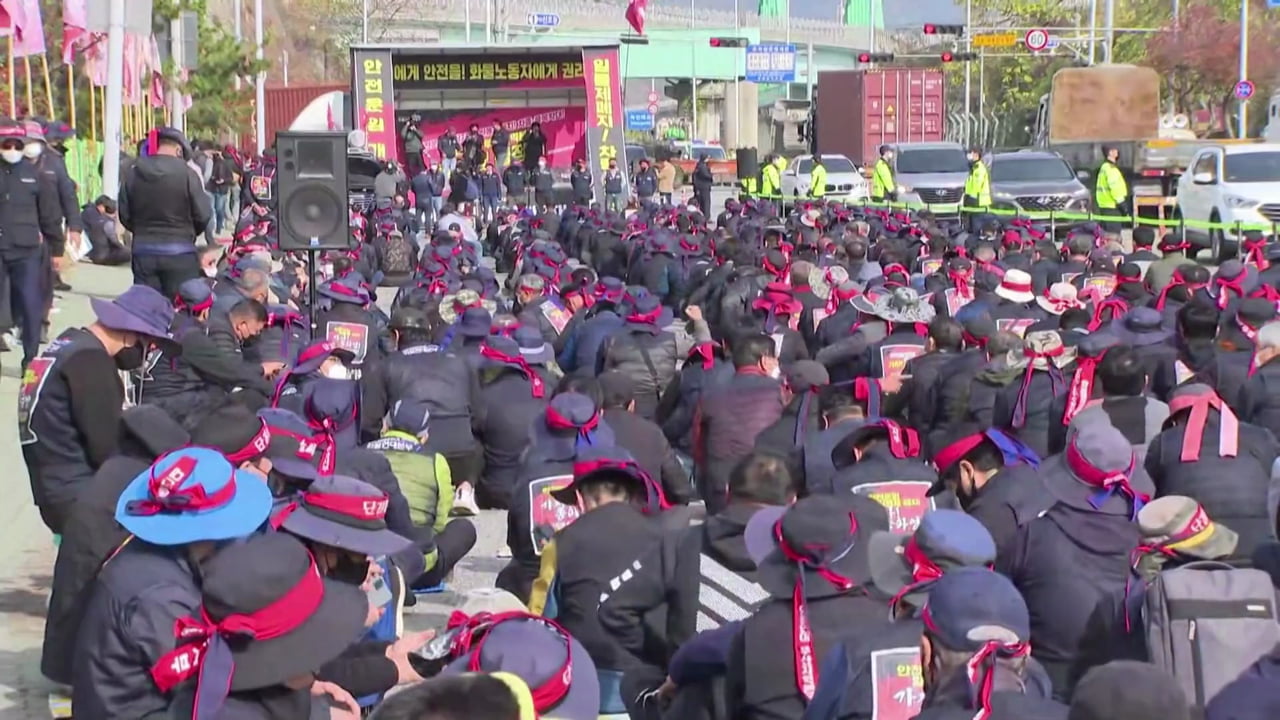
pixel 958 57
pixel 867 57
pixel 932 29
pixel 729 42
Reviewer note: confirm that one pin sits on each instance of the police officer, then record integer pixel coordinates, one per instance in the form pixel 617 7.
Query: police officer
pixel 977 188
pixel 52 162
pixel 580 181
pixel 30 220
pixel 613 187
pixel 884 187
pixel 818 178
pixel 1111 195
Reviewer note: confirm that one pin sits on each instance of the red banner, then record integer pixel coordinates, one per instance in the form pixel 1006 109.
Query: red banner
pixel 605 121
pixel 897 683
pixel 371 86
pixel 548 516
pixel 893 358
pixel 906 502
pixel 565 129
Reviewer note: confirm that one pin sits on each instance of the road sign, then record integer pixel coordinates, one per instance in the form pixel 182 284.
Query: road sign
pixel 548 20
pixel 639 120
pixel 1036 40
pixel 653 108
pixel 1054 42
pixel 1244 89
pixel 771 63
pixel 995 40
pixel 652 97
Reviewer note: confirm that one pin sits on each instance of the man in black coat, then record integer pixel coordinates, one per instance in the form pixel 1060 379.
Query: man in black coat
pixel 643 438
pixel 702 182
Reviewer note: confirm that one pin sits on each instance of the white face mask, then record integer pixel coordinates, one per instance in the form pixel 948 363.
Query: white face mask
pixel 33 150
pixel 775 372
pixel 337 372
pixel 209 271
pixel 13 157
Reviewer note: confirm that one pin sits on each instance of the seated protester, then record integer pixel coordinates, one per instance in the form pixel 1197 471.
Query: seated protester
pixel 1123 405
pixel 842 413
pixel 472 328
pixel 645 351
pixel 801 416
pixel 882 460
pixel 904 568
pixel 265 620
pixel 1107 692
pixel 513 391
pixel 706 367
pixel 951 395
pixel 495 696
pixel 551 661
pixel 1239 329
pixel 92 533
pixel 342 521
pixel 1207 454
pixel 1141 329
pixel 976 652
pixel 703 576
pixel 177 510
pixel 906 316
pixel 923 372
pixel 1176 531
pixel 642 438
pixel 1260 402
pixel 618 503
pixel 427 485
pixel 330 412
pixel 1089 497
pixel 975 401
pixel 1058 299
pixel 320 359
pixel 1196 328
pixel 100 223
pixel 570 425
pixel 1024 406
pixel 1188 282
pixel 812 560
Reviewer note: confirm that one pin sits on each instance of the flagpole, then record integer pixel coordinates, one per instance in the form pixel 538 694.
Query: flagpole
pixel 31 96
pixel 48 84
pixel 71 93
pixel 13 81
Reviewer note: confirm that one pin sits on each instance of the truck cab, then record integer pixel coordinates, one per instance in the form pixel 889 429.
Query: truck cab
pixel 933 174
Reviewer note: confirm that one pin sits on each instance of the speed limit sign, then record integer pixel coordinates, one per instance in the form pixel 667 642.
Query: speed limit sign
pixel 1036 40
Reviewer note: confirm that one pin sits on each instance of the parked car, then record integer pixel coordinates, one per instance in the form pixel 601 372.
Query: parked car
pixel 1230 184
pixel 932 174
pixel 844 181
pixel 1036 181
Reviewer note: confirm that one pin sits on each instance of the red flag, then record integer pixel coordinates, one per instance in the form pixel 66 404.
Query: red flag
pixel 635 14
pixel 13 18
pixel 74 28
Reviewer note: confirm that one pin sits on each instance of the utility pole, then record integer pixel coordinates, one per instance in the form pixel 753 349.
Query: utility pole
pixel 1109 27
pixel 968 71
pixel 364 23
pixel 239 11
pixel 113 114
pixel 1093 31
pixel 1244 67
pixel 177 104
pixel 260 99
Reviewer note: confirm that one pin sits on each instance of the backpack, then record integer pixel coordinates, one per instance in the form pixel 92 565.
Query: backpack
pixel 397 256
pixel 1208 622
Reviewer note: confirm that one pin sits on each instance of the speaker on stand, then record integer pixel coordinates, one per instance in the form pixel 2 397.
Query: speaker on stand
pixel 312 211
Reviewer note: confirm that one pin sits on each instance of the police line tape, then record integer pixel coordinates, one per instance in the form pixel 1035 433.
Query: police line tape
pixel 1057 216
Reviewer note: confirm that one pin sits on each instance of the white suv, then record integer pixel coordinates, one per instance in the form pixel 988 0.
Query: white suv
pixel 1230 184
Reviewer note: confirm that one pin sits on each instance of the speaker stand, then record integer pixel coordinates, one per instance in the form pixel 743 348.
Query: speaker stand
pixel 313 294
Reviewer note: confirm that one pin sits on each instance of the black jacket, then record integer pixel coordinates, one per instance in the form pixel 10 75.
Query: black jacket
pixel 52 162
pixel 163 202
pixel 509 412
pixel 646 443
pixel 442 380
pixel 647 355
pixel 32 211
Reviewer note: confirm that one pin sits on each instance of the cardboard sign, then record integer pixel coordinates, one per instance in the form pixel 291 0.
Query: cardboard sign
pixel 556 314
pixel 29 394
pixel 1105 285
pixel 548 516
pixel 955 301
pixel 893 358
pixel 260 186
pixel 1017 326
pixel 352 337
pixel 897 684
pixel 906 502
pixel 929 266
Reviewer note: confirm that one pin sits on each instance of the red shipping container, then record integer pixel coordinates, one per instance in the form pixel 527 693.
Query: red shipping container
pixel 283 106
pixel 859 110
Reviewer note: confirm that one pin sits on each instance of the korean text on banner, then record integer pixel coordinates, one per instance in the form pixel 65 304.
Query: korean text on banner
pixel 605 139
pixel 440 72
pixel 372 95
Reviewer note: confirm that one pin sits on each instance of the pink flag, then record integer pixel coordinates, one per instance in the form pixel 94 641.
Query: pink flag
pixel 132 71
pixel 156 66
pixel 635 14
pixel 12 17
pixel 95 60
pixel 75 33
pixel 30 37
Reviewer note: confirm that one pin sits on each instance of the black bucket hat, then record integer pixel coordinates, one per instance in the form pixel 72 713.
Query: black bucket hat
pixel 342 512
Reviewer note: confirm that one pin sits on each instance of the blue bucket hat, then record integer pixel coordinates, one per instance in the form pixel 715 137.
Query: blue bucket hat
pixel 140 309
pixel 905 567
pixel 192 495
pixel 533 347
pixel 572 422
pixel 474 322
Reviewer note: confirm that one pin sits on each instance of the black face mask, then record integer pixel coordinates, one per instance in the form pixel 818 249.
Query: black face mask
pixel 131 358
pixel 349 570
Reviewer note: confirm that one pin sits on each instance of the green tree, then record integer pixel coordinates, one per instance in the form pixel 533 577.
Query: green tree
pixel 216 105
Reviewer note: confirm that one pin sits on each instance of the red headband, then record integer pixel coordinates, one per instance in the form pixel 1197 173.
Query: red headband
pixel 166 494
pixel 583 468
pixel 254 449
pixel 951 454
pixel 535 382
pixel 706 352
pixel 923 570
pixel 1106 480
pixel 648 318
pixel 1200 404
pixel 180 304
pixel 1081 389
pixel 366 511
pixel 545 696
pixel 1235 284
pixel 805 655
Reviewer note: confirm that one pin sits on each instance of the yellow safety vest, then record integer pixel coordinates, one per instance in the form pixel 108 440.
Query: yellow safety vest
pixel 1111 189
pixel 818 181
pixel 978 185
pixel 770 182
pixel 882 184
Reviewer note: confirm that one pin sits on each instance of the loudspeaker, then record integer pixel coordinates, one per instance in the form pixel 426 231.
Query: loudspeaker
pixel 311 180
pixel 748 163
